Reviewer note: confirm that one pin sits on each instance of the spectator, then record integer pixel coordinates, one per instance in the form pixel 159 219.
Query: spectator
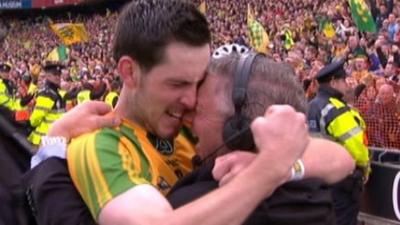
pixel 383 119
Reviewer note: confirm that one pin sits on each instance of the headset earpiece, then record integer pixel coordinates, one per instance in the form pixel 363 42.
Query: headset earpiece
pixel 237 134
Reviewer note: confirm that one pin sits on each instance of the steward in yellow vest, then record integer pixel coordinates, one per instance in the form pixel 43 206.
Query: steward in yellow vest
pixel 7 88
pixel 49 106
pixel 330 116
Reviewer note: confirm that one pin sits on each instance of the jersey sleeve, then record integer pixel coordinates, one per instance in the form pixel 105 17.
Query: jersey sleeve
pixel 102 165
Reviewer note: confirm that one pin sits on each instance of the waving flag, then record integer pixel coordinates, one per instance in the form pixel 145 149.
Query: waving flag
pixel 59 53
pixel 70 33
pixel 362 16
pixel 259 38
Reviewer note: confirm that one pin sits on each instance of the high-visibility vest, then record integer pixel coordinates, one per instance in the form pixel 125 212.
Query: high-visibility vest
pixel 348 128
pixel 334 119
pixel 83 96
pixel 6 98
pixel 110 98
pixel 49 107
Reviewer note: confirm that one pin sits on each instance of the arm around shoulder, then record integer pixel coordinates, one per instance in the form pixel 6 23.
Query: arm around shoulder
pixel 327 160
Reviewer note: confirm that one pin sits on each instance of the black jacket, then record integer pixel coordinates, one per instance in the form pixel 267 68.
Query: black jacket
pixel 305 202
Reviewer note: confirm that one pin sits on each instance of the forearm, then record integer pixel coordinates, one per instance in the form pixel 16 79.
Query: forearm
pixel 234 201
pixel 327 160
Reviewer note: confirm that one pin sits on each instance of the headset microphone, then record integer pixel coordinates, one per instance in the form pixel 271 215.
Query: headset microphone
pixel 197 161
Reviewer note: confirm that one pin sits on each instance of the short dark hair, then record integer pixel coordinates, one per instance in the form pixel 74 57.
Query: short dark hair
pixel 146 27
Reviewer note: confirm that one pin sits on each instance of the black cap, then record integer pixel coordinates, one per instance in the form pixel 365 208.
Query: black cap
pixel 5 68
pixel 53 67
pixel 331 71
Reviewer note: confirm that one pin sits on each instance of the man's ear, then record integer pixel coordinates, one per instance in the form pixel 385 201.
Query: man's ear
pixel 332 83
pixel 128 70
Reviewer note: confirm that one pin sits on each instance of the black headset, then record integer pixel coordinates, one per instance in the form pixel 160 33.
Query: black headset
pixel 236 133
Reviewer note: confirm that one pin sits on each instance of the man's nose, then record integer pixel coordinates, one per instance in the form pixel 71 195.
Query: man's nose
pixel 189 99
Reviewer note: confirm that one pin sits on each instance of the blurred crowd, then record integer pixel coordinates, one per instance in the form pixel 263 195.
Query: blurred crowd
pixel 29 42
pixel 372 59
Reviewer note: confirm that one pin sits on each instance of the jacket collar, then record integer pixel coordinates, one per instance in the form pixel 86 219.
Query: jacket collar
pixel 330 92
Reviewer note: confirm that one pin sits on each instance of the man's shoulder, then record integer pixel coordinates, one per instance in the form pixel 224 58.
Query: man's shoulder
pixel 105 163
pixel 104 135
pixel 318 102
pixel 318 97
pixel 103 140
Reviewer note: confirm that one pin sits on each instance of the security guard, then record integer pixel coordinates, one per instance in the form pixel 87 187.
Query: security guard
pixel 331 117
pixel 49 106
pixel 7 88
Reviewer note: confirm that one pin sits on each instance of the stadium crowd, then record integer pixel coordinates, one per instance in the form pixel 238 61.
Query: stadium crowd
pixel 296 36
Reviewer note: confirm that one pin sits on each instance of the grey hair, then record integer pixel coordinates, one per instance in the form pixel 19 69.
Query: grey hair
pixel 269 83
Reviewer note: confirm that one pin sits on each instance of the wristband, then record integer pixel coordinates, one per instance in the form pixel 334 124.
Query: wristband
pixel 46 140
pixel 297 171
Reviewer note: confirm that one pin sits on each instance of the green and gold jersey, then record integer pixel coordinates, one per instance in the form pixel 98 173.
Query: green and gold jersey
pixel 109 162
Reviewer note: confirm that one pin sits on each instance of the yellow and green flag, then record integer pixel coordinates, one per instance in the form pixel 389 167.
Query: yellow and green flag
pixel 70 33
pixel 259 38
pixel 362 16
pixel 58 54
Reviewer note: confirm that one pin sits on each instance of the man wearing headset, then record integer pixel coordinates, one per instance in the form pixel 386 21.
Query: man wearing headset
pixel 123 173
